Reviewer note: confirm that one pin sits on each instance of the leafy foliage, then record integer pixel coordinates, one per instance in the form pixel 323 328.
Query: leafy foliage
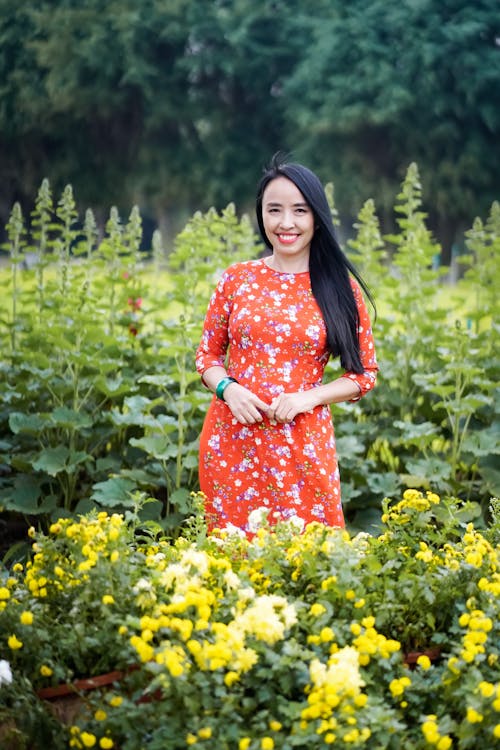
pixel 99 396
pixel 178 105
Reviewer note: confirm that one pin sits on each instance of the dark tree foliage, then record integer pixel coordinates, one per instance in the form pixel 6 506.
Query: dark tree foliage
pixel 178 104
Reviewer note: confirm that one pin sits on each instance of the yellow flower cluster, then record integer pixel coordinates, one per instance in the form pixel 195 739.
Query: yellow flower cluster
pixel 86 541
pixel 369 642
pixel 186 630
pixel 430 730
pixel 334 696
pixel 81 740
pixel 478 626
pixel 413 501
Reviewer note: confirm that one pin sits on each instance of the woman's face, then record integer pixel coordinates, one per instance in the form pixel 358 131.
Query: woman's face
pixel 288 220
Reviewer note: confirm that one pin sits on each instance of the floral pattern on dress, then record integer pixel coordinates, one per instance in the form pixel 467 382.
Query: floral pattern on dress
pixel 266 328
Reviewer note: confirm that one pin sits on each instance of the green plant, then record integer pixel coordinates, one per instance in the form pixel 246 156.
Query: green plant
pixel 99 397
pixel 436 401
pixel 280 641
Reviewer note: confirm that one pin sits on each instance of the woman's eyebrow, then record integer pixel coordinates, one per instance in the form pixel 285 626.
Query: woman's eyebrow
pixel 273 204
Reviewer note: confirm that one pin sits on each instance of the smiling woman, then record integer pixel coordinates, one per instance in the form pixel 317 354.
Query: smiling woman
pixel 272 324
pixel 289 225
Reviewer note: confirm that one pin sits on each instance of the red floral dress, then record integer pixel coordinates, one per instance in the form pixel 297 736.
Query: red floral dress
pixel 266 328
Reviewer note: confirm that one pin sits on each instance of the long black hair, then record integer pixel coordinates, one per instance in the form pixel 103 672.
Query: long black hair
pixel 328 266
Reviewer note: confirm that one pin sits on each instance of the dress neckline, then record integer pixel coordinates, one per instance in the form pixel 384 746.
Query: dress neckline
pixel 282 273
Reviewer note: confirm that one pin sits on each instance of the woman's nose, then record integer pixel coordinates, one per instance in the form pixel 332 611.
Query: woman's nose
pixel 287 220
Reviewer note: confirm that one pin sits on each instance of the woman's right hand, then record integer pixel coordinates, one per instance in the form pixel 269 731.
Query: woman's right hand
pixel 244 405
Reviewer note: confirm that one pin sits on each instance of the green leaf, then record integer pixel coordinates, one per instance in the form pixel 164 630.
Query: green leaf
pixel 158 446
pixel 31 424
pixel 387 484
pixel 430 469
pixel 25 494
pixel 58 459
pixel 114 492
pixel 52 460
pixel 180 498
pixel 69 418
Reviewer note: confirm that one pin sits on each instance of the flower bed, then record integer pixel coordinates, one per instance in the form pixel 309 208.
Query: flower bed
pixel 283 641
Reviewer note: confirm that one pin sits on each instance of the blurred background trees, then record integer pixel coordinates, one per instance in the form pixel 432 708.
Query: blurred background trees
pixel 177 104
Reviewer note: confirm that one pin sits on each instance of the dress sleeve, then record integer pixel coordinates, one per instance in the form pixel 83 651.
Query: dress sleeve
pixel 365 380
pixel 215 337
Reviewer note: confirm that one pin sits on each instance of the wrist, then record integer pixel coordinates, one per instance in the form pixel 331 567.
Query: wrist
pixel 222 385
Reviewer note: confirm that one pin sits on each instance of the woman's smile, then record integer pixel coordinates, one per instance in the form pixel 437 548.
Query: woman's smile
pixel 289 225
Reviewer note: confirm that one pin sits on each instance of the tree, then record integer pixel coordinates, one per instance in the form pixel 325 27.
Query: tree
pixel 384 84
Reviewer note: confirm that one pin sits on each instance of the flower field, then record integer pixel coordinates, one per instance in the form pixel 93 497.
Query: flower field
pixel 384 636
pixel 99 398
pixel 283 641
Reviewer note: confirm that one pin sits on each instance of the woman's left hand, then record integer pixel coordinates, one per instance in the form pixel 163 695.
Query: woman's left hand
pixel 286 406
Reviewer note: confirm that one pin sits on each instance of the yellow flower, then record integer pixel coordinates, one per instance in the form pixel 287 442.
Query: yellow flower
pixel 397 686
pixel 14 643
pixel 424 661
pixel 106 743
pixel 108 599
pixel 46 671
pixel 4 593
pixel 444 743
pixel 191 739
pixel 115 701
pixel 100 715
pixel 473 716
pixel 267 743
pixel 275 726
pixel 326 635
pixel 317 609
pixel 487 689
pixel 496 731
pixel 244 743
pixel 88 739
pixel 26 618
pixel 205 733
pixel 430 730
pixel 230 678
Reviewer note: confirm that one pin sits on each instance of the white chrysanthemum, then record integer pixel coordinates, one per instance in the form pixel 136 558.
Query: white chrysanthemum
pixel 5 673
pixel 267 618
pixel 297 523
pixel 342 674
pixel 197 559
pixel 231 580
pixel 233 530
pixel 257 518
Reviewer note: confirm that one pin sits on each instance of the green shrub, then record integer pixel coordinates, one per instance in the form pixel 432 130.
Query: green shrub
pixel 99 398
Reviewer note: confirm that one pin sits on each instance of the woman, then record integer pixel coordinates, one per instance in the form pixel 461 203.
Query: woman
pixel 271 326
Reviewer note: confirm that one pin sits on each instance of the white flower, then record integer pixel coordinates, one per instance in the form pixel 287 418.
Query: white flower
pixel 257 518
pixel 5 673
pixel 297 523
pixel 233 530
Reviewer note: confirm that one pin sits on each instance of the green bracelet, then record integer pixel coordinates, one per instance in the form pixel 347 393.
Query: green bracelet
pixel 222 385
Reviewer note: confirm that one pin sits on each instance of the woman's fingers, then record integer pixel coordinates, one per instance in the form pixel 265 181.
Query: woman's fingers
pixel 245 406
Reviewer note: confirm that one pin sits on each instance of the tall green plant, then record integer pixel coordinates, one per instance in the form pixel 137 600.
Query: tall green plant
pixel 434 406
pixel 164 422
